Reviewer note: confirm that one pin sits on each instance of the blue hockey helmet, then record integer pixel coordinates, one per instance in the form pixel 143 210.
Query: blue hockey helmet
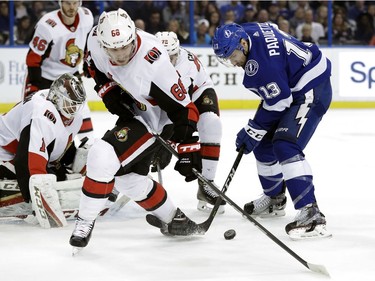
pixel 227 38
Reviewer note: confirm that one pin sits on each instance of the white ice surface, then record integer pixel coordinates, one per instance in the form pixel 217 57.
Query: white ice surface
pixel 125 247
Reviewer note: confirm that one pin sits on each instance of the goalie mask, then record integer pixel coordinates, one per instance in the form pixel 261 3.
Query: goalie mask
pixel 226 40
pixel 116 33
pixel 171 43
pixel 68 95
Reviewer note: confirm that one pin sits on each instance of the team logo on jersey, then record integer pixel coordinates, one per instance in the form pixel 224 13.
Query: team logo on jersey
pixel 122 135
pixel 251 68
pixel 73 54
pixel 152 55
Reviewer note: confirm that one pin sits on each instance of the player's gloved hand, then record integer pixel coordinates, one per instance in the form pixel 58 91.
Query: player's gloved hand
pixel 249 136
pixel 189 157
pixel 59 170
pixel 115 103
pixel 30 89
pixel 162 157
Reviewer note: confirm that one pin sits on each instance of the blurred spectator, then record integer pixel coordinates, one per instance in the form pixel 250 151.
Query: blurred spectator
pixel 214 20
pixel 4 21
pixel 145 9
pixel 200 36
pixel 356 9
pixel 263 16
pixel 297 19
pixel 238 9
pixel 37 10
pixel 284 10
pixel 317 31
pixel 307 33
pixel 229 17
pixel 23 31
pixel 20 10
pixel 273 12
pixel 365 28
pixel 249 15
pixel 155 23
pixel 284 25
pixel 341 31
pixel 322 17
pixel 174 10
pixel 139 23
pixel 182 34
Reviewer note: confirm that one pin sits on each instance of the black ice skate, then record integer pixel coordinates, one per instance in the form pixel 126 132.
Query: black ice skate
pixel 180 225
pixel 81 234
pixel 207 198
pixel 308 223
pixel 267 206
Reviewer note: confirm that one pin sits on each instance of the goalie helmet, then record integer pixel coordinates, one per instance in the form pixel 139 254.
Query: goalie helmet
pixel 116 29
pixel 67 94
pixel 227 39
pixel 170 41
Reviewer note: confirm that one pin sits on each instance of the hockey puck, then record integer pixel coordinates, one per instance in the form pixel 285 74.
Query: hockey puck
pixel 229 234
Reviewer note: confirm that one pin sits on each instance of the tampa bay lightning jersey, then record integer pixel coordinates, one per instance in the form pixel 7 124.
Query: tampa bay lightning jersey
pixel 280 68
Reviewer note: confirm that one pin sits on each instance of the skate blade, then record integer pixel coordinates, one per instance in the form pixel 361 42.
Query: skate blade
pixel 205 207
pixel 319 231
pixel 76 250
pixel 274 214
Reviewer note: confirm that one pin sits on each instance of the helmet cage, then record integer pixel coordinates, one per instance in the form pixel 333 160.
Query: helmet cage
pixel 68 95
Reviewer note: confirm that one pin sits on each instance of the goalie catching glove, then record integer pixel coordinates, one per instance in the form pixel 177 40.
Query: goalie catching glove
pixel 189 157
pixel 250 136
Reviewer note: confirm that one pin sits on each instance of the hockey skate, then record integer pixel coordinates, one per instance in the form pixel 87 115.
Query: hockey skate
pixel 180 225
pixel 267 206
pixel 207 199
pixel 308 223
pixel 81 234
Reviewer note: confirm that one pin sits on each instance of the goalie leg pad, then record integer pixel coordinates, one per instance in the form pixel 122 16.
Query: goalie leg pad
pixel 45 201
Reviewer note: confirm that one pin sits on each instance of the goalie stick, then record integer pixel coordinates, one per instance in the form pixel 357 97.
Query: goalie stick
pixel 313 267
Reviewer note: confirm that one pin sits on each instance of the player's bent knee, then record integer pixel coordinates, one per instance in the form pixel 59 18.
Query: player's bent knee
pixel 285 150
pixel 133 185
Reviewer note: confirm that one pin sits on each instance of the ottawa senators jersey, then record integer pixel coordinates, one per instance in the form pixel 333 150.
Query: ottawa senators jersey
pixel 149 78
pixel 57 48
pixel 193 74
pixel 34 131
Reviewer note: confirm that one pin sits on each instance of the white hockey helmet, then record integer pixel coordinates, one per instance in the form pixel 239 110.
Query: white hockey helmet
pixel 116 29
pixel 67 94
pixel 170 41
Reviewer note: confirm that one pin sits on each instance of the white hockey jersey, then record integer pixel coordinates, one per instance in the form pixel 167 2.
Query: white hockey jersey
pixel 150 68
pixel 35 130
pixel 193 73
pixel 58 48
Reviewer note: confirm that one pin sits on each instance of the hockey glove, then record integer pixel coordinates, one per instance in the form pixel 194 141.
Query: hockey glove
pixel 114 102
pixel 189 157
pixel 249 137
pixel 162 157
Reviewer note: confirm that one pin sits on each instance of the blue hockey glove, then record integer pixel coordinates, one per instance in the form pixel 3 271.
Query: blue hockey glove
pixel 249 136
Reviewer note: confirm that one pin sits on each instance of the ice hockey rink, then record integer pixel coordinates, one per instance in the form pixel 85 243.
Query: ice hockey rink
pixel 124 247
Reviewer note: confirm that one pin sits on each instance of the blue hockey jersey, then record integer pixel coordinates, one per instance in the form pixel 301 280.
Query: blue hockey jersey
pixel 280 69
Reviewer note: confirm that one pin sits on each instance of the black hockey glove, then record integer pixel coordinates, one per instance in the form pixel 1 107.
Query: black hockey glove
pixel 59 170
pixel 115 103
pixel 162 157
pixel 189 157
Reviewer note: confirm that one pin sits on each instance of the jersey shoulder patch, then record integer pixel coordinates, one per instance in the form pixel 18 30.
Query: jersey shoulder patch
pixel 152 55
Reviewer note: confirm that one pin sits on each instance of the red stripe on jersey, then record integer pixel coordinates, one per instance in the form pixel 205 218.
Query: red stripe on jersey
pixel 33 59
pixel 193 114
pixel 37 164
pixel 135 146
pixel 210 151
pixel 11 147
pixel 86 126
pixel 93 188
pixel 155 198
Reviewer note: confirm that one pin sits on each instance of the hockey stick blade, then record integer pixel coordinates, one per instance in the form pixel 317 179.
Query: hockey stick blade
pixel 204 226
pixel 118 205
pixel 315 268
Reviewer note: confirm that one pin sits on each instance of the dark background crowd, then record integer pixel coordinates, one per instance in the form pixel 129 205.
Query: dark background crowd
pixel 346 23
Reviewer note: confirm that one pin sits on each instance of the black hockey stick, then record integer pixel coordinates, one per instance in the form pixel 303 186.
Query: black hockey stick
pixel 207 223
pixel 313 267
